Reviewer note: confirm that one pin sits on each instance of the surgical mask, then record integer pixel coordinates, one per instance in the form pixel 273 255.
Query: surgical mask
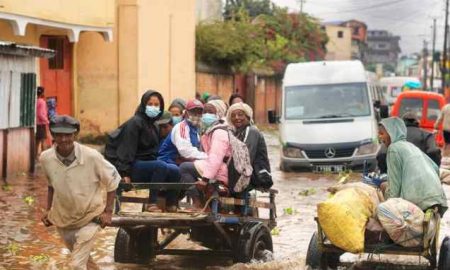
pixel 176 119
pixel 194 120
pixel 208 119
pixel 152 111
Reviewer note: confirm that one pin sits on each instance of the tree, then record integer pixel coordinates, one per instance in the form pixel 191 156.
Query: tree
pixel 252 7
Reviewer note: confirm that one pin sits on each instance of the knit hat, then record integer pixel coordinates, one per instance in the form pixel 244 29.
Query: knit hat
pixel 220 106
pixel 240 106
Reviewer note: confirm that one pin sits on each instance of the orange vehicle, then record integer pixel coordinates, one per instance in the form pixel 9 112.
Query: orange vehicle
pixel 426 105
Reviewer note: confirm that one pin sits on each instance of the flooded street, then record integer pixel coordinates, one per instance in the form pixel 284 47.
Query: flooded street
pixel 26 244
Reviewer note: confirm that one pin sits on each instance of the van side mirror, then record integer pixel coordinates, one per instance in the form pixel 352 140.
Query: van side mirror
pixel 384 111
pixel 272 116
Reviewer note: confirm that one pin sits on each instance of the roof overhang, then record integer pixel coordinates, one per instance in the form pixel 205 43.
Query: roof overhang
pixel 12 48
pixel 19 24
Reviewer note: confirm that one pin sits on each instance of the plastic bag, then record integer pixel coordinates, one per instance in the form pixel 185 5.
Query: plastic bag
pixel 402 220
pixel 343 217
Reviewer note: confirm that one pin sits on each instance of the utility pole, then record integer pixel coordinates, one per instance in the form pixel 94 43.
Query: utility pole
pixel 432 55
pixel 425 65
pixel 444 58
pixel 301 2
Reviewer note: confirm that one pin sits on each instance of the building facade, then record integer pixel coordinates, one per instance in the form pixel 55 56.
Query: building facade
pixel 339 45
pixel 107 53
pixel 383 48
pixel 359 39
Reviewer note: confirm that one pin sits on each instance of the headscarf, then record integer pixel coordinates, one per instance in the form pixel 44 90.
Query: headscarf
pixel 220 106
pixel 145 98
pixel 179 103
pixel 240 106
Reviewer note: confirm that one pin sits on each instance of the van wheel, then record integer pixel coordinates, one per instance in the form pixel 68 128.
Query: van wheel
pixel 284 167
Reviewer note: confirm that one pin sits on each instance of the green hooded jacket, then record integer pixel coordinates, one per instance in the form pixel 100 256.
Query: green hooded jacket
pixel 412 175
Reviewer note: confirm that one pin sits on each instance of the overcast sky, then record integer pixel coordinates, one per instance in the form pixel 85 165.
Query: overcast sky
pixel 410 19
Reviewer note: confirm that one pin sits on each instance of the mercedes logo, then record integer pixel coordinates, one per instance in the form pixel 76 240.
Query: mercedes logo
pixel 330 152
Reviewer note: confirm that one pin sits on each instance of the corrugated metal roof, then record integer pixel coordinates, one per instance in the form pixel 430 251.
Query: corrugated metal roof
pixel 24 50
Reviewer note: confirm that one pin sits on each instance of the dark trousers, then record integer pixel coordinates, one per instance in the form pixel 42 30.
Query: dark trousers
pixel 189 174
pixel 156 171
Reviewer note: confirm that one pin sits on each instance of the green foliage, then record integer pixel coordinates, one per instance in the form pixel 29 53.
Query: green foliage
pixel 270 40
pixel 253 7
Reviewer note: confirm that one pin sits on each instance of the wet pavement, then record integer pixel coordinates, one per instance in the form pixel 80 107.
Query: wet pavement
pixel 25 243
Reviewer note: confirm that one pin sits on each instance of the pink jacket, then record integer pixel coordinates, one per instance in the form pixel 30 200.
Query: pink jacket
pixel 217 146
pixel 41 112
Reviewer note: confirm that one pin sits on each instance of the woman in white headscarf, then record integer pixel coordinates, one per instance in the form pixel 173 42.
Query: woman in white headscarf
pixel 240 118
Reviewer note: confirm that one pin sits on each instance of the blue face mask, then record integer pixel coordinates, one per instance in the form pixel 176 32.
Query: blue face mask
pixel 208 119
pixel 152 111
pixel 176 119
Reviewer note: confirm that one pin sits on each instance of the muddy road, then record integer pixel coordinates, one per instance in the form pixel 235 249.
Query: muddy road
pixel 26 244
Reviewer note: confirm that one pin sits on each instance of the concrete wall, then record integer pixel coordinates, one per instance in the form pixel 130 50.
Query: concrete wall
pixel 98 13
pixel 338 48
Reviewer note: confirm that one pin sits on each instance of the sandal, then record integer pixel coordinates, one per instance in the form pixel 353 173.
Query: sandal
pixel 153 207
pixel 171 209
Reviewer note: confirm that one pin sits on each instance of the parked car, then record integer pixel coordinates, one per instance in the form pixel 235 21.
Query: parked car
pixel 328 120
pixel 426 105
pixel 392 86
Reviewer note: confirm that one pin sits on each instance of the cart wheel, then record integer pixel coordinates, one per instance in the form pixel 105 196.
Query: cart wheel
pixel 316 258
pixel 444 254
pixel 135 245
pixel 254 242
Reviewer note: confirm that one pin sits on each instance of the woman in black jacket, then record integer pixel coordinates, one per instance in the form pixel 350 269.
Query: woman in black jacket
pixel 134 147
pixel 239 117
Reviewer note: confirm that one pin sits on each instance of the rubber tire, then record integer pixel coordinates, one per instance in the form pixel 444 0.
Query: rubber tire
pixel 135 245
pixel 444 254
pixel 317 259
pixel 250 236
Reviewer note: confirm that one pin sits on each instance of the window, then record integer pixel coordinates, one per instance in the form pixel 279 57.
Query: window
pixel 382 46
pixel 414 105
pixel 356 30
pixel 433 110
pixel 340 34
pixel 56 44
pixel 327 101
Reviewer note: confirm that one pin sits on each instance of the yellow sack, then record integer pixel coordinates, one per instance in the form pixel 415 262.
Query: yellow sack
pixel 343 217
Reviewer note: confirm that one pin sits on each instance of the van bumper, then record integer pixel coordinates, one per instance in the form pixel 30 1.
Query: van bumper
pixel 355 163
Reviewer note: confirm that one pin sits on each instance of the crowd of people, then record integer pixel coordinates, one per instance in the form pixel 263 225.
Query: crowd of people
pixel 194 141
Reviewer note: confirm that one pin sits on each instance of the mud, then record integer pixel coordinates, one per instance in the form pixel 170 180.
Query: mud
pixel 26 244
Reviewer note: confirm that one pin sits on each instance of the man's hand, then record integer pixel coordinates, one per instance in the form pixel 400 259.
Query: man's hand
pixel 126 179
pixel 105 219
pixel 384 186
pixel 45 220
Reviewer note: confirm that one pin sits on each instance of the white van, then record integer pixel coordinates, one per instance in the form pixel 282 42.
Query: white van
pixel 328 120
pixel 393 86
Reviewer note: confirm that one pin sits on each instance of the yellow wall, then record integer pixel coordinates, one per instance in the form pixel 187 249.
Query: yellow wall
pixel 153 48
pixel 338 48
pixel 98 13
pixel 167 47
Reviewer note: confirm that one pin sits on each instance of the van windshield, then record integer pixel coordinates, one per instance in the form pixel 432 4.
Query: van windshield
pixel 326 101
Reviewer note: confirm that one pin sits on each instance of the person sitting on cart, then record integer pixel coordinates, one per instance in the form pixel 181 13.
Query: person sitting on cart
pixel 133 148
pixel 240 118
pixel 165 126
pixel 176 109
pixel 215 142
pixel 412 175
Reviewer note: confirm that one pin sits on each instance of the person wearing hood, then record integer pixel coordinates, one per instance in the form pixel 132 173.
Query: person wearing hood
pixel 134 147
pixel 240 118
pixel 215 142
pixel 176 109
pixel 412 175
pixel 421 138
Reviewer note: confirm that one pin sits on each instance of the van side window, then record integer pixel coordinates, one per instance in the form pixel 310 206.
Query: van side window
pixel 433 110
pixel 411 105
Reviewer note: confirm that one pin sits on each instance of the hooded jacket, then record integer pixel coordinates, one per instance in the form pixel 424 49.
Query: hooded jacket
pixel 137 139
pixel 412 175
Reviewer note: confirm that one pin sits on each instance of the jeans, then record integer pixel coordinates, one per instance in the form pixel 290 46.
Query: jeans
pixel 156 171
